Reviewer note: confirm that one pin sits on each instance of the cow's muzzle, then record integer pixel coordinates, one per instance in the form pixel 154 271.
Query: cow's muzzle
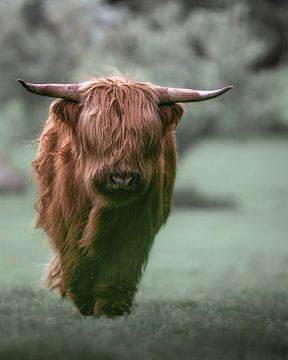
pixel 121 184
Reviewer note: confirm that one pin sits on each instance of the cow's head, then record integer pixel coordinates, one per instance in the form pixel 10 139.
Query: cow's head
pixel 118 128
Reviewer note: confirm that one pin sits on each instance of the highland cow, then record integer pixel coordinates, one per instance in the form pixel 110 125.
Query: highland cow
pixel 105 170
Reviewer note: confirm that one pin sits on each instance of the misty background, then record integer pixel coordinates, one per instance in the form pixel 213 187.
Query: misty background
pixel 216 280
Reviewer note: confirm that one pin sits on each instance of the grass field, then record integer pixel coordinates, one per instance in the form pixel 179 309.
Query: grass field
pixel 215 286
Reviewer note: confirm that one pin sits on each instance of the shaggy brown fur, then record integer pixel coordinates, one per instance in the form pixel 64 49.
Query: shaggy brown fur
pixel 101 239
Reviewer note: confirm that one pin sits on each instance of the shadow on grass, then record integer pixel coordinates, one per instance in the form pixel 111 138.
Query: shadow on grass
pixel 37 325
pixel 189 198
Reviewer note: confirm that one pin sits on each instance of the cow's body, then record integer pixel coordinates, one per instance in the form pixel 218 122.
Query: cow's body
pixel 101 237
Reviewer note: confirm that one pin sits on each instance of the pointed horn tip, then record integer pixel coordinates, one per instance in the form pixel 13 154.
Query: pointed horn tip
pixel 25 84
pixel 22 82
pixel 229 87
pixel 224 90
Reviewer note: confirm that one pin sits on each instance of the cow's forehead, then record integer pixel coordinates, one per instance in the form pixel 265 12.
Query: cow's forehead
pixel 119 115
pixel 118 88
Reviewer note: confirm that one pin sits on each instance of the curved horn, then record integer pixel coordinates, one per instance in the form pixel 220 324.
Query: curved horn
pixel 173 95
pixel 64 91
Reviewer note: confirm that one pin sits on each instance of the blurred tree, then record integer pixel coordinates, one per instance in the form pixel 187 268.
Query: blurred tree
pixel 146 6
pixel 41 41
pixel 35 16
pixel 269 18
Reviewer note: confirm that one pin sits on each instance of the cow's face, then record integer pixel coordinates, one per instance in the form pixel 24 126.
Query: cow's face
pixel 119 133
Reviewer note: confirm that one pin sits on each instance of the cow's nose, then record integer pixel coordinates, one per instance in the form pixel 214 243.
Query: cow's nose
pixel 122 180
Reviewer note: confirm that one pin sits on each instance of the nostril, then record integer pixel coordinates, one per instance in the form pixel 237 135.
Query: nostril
pixel 121 180
pixel 117 180
pixel 128 180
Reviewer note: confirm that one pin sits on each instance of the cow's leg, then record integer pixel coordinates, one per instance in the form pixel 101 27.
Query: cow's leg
pixel 118 275
pixel 107 288
pixel 82 265
pixel 81 284
pixel 121 250
pixel 74 281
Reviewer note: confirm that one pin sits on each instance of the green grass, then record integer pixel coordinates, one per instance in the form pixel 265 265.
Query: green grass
pixel 215 286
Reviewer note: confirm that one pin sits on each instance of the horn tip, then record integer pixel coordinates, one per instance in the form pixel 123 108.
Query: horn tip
pixel 23 83
pixel 225 89
pixel 229 87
